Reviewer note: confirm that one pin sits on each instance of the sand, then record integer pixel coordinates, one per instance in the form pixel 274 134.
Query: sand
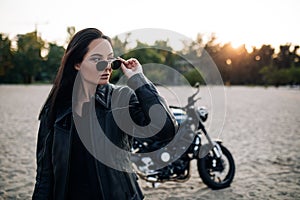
pixel 261 129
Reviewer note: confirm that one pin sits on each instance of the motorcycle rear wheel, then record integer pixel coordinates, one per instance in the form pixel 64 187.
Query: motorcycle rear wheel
pixel 217 173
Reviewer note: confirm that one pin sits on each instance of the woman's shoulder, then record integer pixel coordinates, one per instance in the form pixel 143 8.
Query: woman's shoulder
pixel 118 88
pixel 63 111
pixel 118 91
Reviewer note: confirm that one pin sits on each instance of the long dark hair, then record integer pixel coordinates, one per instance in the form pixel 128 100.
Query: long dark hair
pixel 61 92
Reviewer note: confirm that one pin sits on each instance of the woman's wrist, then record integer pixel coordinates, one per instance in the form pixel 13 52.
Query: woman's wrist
pixel 137 80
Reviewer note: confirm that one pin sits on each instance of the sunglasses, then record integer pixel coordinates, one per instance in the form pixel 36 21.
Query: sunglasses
pixel 115 64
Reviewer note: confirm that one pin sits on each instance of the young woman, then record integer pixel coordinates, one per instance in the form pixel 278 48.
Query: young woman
pixel 86 124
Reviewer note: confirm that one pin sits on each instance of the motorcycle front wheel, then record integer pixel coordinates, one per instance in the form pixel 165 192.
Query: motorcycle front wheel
pixel 217 173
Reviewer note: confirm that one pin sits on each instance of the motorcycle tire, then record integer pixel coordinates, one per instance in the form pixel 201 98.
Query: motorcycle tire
pixel 209 167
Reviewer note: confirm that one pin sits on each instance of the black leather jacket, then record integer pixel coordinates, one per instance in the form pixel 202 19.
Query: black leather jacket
pixel 55 146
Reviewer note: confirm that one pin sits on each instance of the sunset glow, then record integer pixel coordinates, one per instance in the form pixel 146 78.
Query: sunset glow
pixel 252 23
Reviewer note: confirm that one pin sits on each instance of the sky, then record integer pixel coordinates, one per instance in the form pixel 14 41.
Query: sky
pixel 250 22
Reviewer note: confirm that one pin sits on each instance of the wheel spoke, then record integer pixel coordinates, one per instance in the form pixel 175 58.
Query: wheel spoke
pixel 219 179
pixel 218 172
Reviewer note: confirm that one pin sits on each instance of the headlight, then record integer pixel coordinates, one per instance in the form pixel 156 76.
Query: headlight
pixel 203 113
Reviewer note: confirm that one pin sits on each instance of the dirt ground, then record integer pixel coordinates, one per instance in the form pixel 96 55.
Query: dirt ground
pixel 261 129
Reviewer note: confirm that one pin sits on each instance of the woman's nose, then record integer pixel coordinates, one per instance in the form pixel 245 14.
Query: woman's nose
pixel 108 67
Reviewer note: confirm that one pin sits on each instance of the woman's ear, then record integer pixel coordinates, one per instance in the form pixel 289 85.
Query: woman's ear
pixel 77 66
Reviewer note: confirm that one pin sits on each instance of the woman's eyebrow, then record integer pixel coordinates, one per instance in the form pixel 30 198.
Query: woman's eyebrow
pixel 97 54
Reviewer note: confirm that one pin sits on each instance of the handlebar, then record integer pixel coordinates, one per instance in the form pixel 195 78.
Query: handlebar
pixel 197 85
pixel 191 102
pixel 191 99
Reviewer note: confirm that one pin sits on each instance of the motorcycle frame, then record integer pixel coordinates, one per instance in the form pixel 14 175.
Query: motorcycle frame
pixel 193 119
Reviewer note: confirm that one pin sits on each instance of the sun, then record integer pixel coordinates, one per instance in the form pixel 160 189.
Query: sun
pixel 240 39
pixel 239 44
pixel 236 44
pixel 236 41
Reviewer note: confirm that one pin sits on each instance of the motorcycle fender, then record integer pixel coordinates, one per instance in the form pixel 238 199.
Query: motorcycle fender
pixel 204 149
pixel 219 141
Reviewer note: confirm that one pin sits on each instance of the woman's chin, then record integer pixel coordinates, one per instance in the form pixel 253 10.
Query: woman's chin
pixel 103 81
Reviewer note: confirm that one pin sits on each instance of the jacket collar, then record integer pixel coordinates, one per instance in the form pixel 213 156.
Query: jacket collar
pixel 103 95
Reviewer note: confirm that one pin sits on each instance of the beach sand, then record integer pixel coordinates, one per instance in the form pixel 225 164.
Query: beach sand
pixel 261 129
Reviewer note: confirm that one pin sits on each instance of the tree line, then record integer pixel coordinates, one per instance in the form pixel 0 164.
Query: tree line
pixel 32 60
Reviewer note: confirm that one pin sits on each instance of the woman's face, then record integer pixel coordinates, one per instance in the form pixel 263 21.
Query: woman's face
pixel 99 50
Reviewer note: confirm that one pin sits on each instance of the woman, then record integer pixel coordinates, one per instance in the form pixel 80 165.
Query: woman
pixel 87 124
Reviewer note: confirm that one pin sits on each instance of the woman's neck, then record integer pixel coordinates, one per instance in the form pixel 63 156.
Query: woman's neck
pixel 84 92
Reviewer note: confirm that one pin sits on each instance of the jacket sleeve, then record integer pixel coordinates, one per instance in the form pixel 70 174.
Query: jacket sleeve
pixel 145 96
pixel 44 175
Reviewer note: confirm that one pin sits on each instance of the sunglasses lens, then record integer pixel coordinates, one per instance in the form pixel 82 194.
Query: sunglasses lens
pixel 116 64
pixel 101 65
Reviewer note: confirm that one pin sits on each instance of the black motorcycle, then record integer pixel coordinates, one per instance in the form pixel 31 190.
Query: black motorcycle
pixel 172 162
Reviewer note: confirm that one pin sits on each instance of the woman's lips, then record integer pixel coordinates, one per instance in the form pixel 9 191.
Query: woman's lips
pixel 104 76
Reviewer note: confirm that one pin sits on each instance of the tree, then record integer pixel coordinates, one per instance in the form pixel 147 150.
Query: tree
pixel 284 58
pixel 260 59
pixel 147 55
pixel 6 57
pixel 52 62
pixel 71 31
pixel 120 48
pixel 27 58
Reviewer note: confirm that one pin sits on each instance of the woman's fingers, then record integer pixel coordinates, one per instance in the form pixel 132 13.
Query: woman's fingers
pixel 130 63
pixel 131 66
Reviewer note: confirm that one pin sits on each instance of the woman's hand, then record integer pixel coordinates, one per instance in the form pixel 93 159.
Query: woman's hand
pixel 131 67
